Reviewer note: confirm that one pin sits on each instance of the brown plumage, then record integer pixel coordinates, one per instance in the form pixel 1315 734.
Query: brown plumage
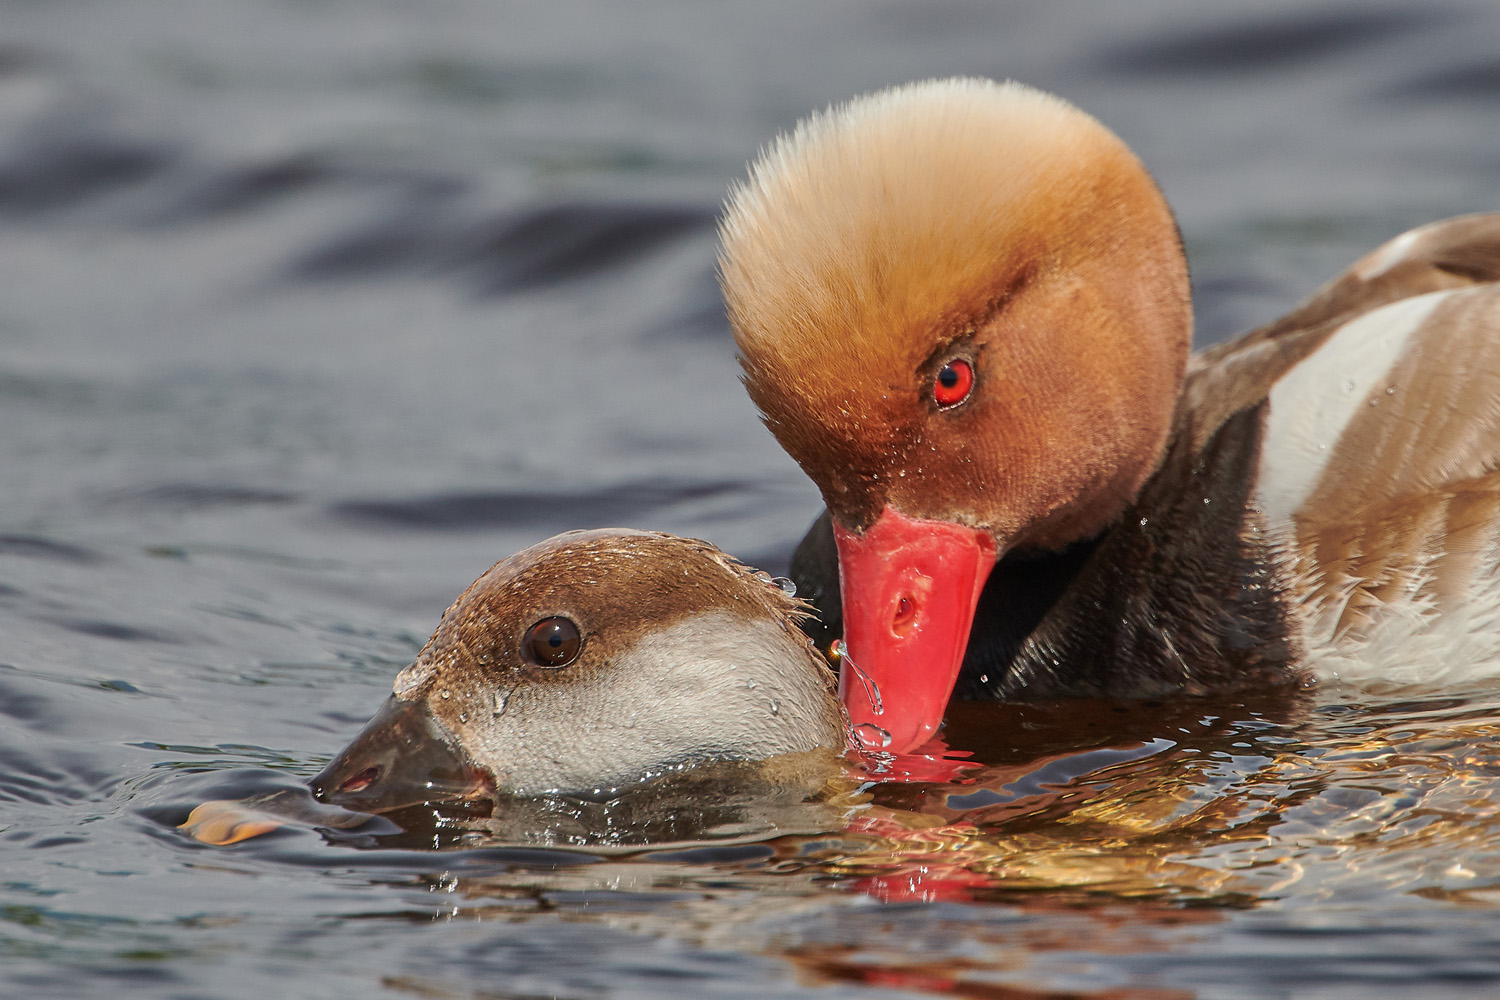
pixel 679 655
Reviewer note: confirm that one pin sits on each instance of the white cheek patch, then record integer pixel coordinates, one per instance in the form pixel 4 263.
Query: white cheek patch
pixel 712 687
pixel 1313 403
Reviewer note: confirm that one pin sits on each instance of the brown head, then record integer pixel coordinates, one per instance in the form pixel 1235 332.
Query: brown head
pixel 592 660
pixel 958 304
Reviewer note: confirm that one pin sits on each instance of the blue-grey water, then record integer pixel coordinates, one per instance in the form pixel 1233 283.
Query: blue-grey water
pixel 312 309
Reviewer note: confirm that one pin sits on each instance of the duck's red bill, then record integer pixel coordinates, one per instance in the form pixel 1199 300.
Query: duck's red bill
pixel 909 591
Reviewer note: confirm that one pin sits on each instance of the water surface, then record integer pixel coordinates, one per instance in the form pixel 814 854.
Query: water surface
pixel 309 312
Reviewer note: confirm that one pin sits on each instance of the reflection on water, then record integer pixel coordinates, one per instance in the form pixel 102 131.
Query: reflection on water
pixel 1230 809
pixel 1186 813
pixel 1166 827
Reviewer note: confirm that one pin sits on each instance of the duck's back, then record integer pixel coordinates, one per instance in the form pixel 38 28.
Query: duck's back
pixel 1378 406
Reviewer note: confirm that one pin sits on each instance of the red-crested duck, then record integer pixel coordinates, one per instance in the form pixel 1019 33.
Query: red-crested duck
pixel 963 307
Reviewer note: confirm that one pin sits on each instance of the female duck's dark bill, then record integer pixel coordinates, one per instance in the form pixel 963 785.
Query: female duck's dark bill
pixel 402 757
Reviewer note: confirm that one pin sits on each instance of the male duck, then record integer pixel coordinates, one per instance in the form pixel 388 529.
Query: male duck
pixel 963 308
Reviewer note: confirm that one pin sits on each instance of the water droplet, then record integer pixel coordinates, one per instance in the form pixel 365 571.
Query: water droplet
pixel 1206 500
pixel 872 736
pixel 463 716
pixel 750 683
pixel 1143 522
pixel 501 697
pixel 786 585
pixel 984 678
pixel 1349 385
pixel 1374 400
pixel 775 707
pixel 872 690
pixel 1391 391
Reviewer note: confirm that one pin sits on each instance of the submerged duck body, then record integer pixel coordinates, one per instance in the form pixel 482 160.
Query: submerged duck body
pixel 590 661
pixel 963 308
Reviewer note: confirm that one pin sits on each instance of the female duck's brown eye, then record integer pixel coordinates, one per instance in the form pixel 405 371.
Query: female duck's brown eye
pixel 551 642
pixel 953 383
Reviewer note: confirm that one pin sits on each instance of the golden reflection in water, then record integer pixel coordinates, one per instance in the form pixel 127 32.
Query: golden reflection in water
pixel 1086 830
pixel 1233 811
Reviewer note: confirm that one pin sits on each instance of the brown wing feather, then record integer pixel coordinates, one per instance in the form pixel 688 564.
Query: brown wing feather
pixel 1430 548
pixel 1433 421
pixel 1408 507
pixel 1228 377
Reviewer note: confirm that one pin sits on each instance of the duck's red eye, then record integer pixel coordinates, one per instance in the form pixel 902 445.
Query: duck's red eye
pixel 953 382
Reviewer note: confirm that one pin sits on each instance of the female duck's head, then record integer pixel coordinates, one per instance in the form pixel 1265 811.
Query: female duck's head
pixel 595 659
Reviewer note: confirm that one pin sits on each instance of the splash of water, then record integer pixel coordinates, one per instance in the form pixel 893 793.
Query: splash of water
pixel 872 690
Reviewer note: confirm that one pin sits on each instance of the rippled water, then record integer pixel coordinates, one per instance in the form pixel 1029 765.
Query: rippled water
pixel 311 311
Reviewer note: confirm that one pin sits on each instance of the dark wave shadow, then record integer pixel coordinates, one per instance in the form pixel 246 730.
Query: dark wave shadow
pixel 512 252
pixel 57 172
pixel 565 242
pixel 1254 46
pixel 1474 82
pixel 549 510
pixel 196 496
pixel 117 631
pixel 36 547
pixel 244 188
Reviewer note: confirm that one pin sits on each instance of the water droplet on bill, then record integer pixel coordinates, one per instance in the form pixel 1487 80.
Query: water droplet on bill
pixel 847 666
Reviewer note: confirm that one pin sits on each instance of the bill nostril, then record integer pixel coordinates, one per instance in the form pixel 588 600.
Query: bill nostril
pixel 360 781
pixel 906 615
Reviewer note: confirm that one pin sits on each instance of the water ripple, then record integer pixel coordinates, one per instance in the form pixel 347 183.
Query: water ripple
pixel 37 547
pixel 1262 46
pixel 61 172
pixel 516 251
pixel 196 496
pixel 619 504
pixel 1477 81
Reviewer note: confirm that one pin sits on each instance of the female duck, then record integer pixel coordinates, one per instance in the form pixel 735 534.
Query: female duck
pixel 588 664
pixel 595 659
